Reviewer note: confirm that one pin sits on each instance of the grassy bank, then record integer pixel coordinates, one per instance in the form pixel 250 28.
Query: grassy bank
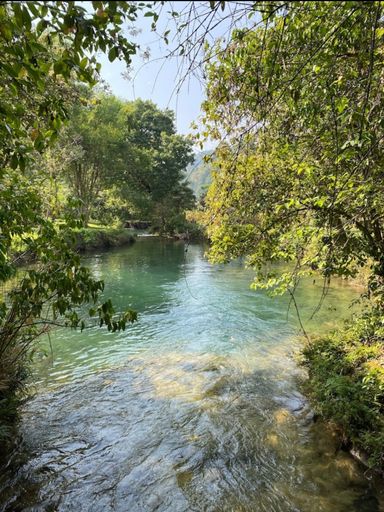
pixel 82 240
pixel 346 384
pixel 101 237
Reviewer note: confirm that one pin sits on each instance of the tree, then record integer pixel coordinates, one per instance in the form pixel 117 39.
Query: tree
pixel 134 154
pixel 95 139
pixel 300 178
pixel 146 122
pixel 44 47
pixel 154 176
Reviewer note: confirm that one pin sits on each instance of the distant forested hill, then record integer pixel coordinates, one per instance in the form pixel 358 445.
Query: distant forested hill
pixel 199 173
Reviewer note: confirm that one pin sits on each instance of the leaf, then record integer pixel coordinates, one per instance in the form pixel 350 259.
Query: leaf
pixel 59 67
pixel 26 18
pixel 83 63
pixel 14 161
pixel 18 13
pixel 34 134
pixel 342 104
pixel 112 54
pixel 34 10
pixel 41 26
pixel 22 163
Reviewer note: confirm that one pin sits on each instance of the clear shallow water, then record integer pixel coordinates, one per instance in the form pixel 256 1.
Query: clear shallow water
pixel 195 408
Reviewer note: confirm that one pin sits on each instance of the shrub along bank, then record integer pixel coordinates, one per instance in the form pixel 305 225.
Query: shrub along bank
pixel 346 384
pixel 15 359
pixel 86 239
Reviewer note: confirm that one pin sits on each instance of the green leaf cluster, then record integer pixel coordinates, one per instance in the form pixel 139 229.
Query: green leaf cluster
pixel 299 175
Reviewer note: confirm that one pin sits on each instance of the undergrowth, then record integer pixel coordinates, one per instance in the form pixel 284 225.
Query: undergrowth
pixel 346 383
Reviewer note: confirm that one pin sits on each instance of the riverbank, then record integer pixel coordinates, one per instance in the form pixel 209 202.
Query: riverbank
pixel 98 237
pixel 83 240
pixel 346 385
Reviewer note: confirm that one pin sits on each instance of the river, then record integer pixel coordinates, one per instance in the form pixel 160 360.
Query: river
pixel 196 407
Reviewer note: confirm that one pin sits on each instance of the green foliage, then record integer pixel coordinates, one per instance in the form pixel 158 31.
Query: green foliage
pixel 146 123
pixel 110 207
pixel 301 177
pixel 101 237
pixel 153 180
pixel 132 165
pixel 45 47
pixel 346 382
pixel 94 140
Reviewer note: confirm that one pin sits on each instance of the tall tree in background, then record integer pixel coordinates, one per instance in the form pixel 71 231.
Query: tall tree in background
pixel 134 155
pixel 95 139
pixel 154 177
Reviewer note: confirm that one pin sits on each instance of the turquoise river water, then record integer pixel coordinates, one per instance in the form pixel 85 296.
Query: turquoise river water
pixel 196 407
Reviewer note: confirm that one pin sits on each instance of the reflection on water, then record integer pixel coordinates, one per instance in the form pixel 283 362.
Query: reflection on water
pixel 195 408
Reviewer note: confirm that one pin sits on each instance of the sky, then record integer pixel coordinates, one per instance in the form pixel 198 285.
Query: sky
pixel 156 78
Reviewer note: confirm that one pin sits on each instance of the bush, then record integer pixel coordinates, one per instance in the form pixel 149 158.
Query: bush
pixel 102 238
pixel 176 224
pixel 346 383
pixel 14 370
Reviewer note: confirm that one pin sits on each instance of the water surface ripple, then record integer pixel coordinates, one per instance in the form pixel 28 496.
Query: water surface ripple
pixel 195 408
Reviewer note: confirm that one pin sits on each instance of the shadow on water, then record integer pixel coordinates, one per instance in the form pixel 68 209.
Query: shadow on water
pixel 181 433
pixel 196 408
